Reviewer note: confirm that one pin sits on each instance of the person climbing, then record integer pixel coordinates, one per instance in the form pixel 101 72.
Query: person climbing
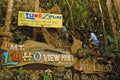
pixel 93 41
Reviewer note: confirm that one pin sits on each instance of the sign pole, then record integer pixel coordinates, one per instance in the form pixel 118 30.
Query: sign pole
pixel 35 30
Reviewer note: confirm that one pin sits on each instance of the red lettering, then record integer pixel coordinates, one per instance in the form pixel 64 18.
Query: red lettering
pixel 17 57
pixel 40 15
pixel 36 15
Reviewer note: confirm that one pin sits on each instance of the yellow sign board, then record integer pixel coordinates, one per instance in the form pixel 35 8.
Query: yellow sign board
pixel 34 19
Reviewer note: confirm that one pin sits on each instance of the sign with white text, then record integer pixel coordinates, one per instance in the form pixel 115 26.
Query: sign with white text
pixel 17 55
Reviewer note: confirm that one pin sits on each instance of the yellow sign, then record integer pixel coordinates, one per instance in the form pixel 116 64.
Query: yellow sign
pixel 39 19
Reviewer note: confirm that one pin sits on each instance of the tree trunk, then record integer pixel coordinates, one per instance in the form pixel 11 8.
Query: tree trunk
pixel 91 7
pixel 6 28
pixel 70 7
pixel 37 2
pixel 103 23
pixel 113 25
pixel 117 3
pixel 8 15
pixel 91 14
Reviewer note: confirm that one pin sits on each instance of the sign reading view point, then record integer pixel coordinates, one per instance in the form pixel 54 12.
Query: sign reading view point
pixel 17 56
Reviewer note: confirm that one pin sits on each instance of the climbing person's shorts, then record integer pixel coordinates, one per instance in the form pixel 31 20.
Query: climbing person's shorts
pixel 95 42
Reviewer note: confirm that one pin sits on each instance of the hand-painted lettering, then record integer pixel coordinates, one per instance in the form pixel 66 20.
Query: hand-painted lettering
pixel 6 55
pixel 35 56
pixel 17 57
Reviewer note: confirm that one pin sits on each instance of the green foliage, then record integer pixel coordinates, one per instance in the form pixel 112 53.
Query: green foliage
pixel 81 9
pixel 63 3
pixel 108 50
pixel 21 72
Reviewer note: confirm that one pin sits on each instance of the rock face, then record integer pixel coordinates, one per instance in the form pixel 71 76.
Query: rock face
pixel 68 75
pixel 77 44
pixel 42 46
pixel 76 77
pixel 6 75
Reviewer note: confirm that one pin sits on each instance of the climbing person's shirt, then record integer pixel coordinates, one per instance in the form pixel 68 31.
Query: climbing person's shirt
pixel 94 39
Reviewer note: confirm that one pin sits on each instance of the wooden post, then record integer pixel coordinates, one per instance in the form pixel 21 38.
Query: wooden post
pixel 36 30
pixel 37 2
